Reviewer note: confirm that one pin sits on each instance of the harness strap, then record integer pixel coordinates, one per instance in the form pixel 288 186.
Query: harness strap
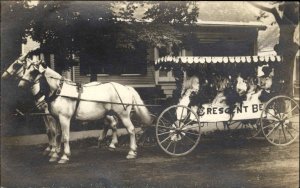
pixel 61 83
pixel 10 74
pixel 79 90
pixel 125 107
pixel 39 95
pixel 57 92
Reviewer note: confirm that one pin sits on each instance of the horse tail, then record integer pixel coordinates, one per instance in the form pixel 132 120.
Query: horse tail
pixel 140 109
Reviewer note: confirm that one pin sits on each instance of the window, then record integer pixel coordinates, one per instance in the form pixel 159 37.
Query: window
pixel 116 63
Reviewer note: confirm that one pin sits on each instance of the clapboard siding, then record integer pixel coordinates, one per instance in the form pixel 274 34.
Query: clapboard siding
pixel 147 80
pixel 138 81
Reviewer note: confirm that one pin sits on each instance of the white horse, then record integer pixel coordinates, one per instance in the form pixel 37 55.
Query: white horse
pixel 16 70
pixel 111 97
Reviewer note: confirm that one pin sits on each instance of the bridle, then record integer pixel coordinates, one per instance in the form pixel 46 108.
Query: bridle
pixel 22 64
pixel 36 79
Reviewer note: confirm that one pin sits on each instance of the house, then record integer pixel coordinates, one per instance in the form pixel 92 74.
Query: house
pixel 212 38
pixel 223 29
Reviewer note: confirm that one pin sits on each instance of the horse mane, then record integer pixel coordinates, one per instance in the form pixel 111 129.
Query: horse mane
pixel 50 72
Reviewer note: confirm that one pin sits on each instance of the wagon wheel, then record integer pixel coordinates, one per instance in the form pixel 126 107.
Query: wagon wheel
pixel 280 120
pixel 178 130
pixel 145 134
pixel 245 128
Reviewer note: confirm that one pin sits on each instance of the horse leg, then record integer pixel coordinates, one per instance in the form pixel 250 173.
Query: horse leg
pixel 128 124
pixel 103 133
pixel 52 130
pixel 55 127
pixel 49 135
pixel 113 125
pixel 65 128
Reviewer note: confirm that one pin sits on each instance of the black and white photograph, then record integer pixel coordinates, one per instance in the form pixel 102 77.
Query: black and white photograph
pixel 149 94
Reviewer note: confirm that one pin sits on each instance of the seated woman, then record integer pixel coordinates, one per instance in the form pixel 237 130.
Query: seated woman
pixel 190 88
pixel 220 98
pixel 265 77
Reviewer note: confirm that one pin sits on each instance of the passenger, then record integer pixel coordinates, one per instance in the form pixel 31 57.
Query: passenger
pixel 190 88
pixel 265 76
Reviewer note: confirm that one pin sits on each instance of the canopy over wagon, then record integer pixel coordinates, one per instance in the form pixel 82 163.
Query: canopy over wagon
pixel 226 89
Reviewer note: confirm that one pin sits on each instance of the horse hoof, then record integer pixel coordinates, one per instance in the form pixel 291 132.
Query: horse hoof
pixel 129 156
pixel 51 153
pixel 63 161
pixel 53 159
pixel 111 147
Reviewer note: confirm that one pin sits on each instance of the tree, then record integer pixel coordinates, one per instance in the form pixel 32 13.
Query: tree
pixel 96 31
pixel 15 16
pixel 286 15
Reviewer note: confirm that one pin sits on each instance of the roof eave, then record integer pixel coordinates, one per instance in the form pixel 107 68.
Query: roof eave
pixel 256 25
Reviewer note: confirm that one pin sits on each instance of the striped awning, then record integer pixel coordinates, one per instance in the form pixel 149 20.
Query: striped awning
pixel 217 59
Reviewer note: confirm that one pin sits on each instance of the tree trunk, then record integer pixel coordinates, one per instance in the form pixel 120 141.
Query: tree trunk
pixel 288 49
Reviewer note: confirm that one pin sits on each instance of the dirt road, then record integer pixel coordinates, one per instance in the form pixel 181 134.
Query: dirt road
pixel 217 162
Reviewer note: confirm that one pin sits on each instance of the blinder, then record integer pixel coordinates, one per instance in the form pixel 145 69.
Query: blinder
pixel 34 74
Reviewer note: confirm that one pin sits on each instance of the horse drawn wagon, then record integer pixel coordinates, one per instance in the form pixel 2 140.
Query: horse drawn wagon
pixel 245 92
pixel 246 89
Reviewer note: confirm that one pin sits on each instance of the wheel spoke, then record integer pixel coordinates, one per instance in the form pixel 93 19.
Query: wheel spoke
pixel 272 130
pixel 169 144
pixel 163 119
pixel 240 123
pixel 231 123
pixel 292 109
pixel 191 140
pixel 163 133
pixel 191 133
pixel 189 127
pixel 187 123
pixel 270 125
pixel 187 116
pixel 170 128
pixel 276 110
pixel 283 133
pixel 181 116
pixel 174 147
pixel 171 134
pixel 273 115
pixel 172 116
pixel 279 136
pixel 253 127
pixel 290 133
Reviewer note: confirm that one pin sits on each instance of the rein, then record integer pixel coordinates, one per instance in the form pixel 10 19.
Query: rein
pixel 125 107
pixel 118 103
pixel 78 99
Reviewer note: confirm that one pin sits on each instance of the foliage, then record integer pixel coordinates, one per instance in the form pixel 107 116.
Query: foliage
pixel 286 15
pixel 98 30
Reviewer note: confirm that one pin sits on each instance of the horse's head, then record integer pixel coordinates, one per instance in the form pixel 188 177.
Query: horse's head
pixel 32 73
pixel 16 69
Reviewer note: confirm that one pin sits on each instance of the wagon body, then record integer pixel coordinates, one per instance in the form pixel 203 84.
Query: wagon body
pixel 178 127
